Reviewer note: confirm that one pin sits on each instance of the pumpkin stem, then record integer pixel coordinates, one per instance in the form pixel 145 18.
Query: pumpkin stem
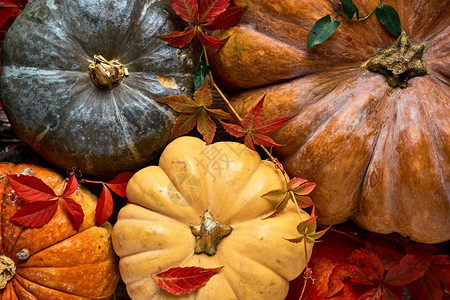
pixel 399 62
pixel 7 270
pixel 209 234
pixel 106 74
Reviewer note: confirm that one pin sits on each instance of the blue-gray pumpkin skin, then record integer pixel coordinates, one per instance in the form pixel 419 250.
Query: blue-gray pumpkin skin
pixel 51 102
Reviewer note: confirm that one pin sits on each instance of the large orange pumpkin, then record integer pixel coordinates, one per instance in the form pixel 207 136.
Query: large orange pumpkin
pixel 54 261
pixel 378 148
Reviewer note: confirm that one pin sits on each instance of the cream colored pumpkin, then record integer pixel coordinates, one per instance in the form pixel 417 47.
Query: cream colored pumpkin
pixel 153 232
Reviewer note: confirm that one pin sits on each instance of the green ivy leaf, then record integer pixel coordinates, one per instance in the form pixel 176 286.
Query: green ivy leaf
pixel 350 8
pixel 200 72
pixel 321 31
pixel 388 16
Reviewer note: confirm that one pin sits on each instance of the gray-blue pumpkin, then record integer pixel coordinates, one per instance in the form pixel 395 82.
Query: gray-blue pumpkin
pixel 79 78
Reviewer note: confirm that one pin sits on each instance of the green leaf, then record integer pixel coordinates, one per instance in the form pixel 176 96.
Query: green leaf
pixel 201 72
pixel 350 8
pixel 388 16
pixel 321 31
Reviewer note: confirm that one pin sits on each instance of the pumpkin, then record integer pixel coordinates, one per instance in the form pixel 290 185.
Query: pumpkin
pixel 378 148
pixel 54 261
pixel 79 78
pixel 209 192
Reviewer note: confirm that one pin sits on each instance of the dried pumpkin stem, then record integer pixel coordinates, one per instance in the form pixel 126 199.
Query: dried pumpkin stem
pixel 7 270
pixel 106 74
pixel 399 63
pixel 209 234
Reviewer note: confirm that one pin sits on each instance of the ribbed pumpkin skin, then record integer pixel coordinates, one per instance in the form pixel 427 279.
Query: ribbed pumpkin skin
pixel 153 234
pixel 379 156
pixel 63 263
pixel 52 103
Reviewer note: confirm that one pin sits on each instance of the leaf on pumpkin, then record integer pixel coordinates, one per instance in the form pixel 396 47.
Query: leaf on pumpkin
pixel 297 188
pixel 105 206
pixel 183 280
pixel 119 183
pixel 76 212
pixel 321 31
pixel 71 186
pixel 253 129
pixel 388 16
pixel 350 8
pixel 31 188
pixel 195 113
pixel 35 214
pixel 209 15
pixel 307 230
pixel 227 19
pixel 179 39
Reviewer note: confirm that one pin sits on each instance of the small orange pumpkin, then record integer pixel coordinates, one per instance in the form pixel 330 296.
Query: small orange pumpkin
pixel 54 261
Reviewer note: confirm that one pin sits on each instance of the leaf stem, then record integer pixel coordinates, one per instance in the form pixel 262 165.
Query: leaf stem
pixel 207 63
pixel 237 116
pixel 356 19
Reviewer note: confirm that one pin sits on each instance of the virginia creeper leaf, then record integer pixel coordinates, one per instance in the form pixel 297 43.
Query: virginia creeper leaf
pixel 227 19
pixel 321 31
pixel 183 124
pixel 410 268
pixel 119 183
pixel 295 183
pixel 210 8
pixel 339 274
pixel 31 188
pixel 179 39
pixel 388 16
pixel 35 214
pixel 6 13
pixel 186 9
pixel 71 186
pixel 205 126
pixel 209 41
pixel 369 263
pixel 426 288
pixel 76 212
pixel 183 280
pixel 195 113
pixel 350 8
pixel 104 208
pixel 253 128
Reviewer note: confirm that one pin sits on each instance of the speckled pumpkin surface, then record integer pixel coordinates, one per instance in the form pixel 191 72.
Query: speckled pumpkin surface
pixel 380 155
pixel 198 193
pixel 55 107
pixel 54 261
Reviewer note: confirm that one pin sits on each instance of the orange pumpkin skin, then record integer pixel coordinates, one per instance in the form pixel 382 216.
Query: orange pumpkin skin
pixel 380 156
pixel 62 263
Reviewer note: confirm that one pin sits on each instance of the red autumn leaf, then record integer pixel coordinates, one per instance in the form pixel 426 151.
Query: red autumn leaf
pixel 370 265
pixel 186 9
pixel 76 212
pixel 6 13
pixel 338 276
pixel 183 280
pixel 253 128
pixel 35 214
pixel 211 8
pixel 179 39
pixel 295 183
pixel 410 268
pixel 209 15
pixel 119 183
pixel 228 18
pixel 426 288
pixel 71 186
pixel 209 41
pixel 105 205
pixel 304 189
pixel 195 112
pixel 388 256
pixel 31 188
